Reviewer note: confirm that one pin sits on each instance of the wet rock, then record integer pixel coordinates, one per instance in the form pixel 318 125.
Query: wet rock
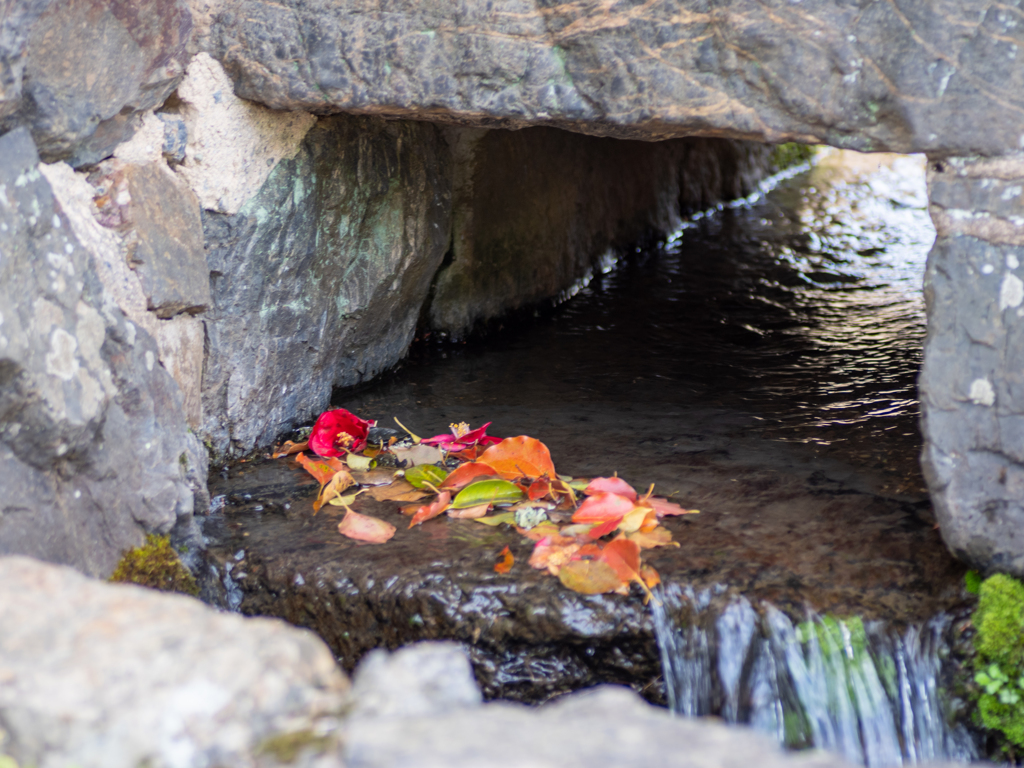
pixel 915 77
pixel 94 449
pixel 87 70
pixel 318 280
pixel 534 210
pixel 104 676
pixel 971 383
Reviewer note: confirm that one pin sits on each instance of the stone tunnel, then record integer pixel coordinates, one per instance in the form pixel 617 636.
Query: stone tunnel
pixel 295 184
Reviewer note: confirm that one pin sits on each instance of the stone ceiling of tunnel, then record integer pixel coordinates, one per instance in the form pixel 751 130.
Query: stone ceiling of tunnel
pixel 937 76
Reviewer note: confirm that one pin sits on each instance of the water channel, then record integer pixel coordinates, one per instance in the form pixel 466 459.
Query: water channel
pixel 759 365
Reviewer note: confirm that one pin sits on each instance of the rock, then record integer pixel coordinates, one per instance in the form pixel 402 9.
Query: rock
pixel 104 676
pixel 920 76
pixel 318 280
pixel 972 382
pixel 88 71
pixel 534 210
pixel 94 450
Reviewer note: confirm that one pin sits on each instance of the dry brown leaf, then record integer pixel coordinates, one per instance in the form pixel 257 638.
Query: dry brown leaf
pixel 396 491
pixel 470 513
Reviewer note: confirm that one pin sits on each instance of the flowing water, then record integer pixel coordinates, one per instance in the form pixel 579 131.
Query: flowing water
pixel 760 365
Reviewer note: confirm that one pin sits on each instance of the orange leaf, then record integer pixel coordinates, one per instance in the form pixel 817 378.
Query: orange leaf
pixel 538 532
pixel 322 469
pixel 516 457
pixel 659 537
pixel 591 577
pixel 399 490
pixel 665 507
pixel 505 564
pixel 623 556
pixel 289 448
pixel 552 552
pixel 468 454
pixel 602 507
pixel 432 510
pixel 365 528
pixel 466 474
pixel 638 519
pixel 611 485
pixel 650 576
pixel 470 513
pixel 339 482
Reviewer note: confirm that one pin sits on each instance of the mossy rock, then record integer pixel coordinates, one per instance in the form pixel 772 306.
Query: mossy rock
pixel 156 565
pixel 999 621
pixel 787 155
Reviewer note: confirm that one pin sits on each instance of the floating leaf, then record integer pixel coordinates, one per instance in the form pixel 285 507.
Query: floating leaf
pixel 344 501
pixel 487 492
pixel 552 552
pixel 365 528
pixel 591 577
pixel 664 507
pixel 415 455
pixel 508 518
pixel 432 510
pixel 289 448
pixel 424 474
pixel 399 490
pixel 505 564
pixel 465 475
pixel 380 476
pixel 614 485
pixel 338 483
pixel 517 457
pixel 469 513
pixel 360 462
pixel 602 508
pixel 659 537
pixel 322 469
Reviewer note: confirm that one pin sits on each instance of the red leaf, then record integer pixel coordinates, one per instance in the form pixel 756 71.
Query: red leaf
pixel 322 469
pixel 365 528
pixel 664 507
pixel 337 432
pixel 466 474
pixel 505 564
pixel 517 457
pixel 432 510
pixel 614 485
pixel 603 529
pixel 623 556
pixel 602 508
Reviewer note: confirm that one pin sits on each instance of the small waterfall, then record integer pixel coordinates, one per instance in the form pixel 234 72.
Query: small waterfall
pixel 856 688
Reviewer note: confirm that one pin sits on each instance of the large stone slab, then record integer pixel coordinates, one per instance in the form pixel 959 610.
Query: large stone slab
pixel 912 76
pixel 79 73
pixel 972 382
pixel 94 449
pixel 318 280
pixel 111 676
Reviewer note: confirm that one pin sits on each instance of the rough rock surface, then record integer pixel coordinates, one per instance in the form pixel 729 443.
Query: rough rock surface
pixel 79 73
pixel 94 448
pixel 972 382
pixel 534 209
pixel 907 77
pixel 105 676
pixel 318 280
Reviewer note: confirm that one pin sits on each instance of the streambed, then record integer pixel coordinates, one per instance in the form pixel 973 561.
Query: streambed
pixel 760 366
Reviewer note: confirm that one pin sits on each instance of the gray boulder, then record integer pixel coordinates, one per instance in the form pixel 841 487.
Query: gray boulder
pixel 94 449
pixel 117 676
pixel 914 76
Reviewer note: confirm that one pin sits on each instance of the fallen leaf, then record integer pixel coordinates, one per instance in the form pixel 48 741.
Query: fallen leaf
pixel 650 576
pixel 340 482
pixel 538 532
pixel 623 556
pixel 505 517
pixel 637 519
pixel 399 490
pixel 289 448
pixel 516 457
pixel 469 513
pixel 603 529
pixel 358 461
pixel 552 552
pixel 344 501
pixel 507 559
pixel 338 432
pixel 432 510
pixel 610 485
pixel 491 491
pixel 415 455
pixel 464 475
pixel 591 577
pixel 322 469
pixel 665 507
pixel 380 476
pixel 425 475
pixel 602 507
pixel 659 537
pixel 365 528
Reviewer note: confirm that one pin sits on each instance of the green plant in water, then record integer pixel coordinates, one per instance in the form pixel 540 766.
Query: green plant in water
pixel 999 663
pixel 156 565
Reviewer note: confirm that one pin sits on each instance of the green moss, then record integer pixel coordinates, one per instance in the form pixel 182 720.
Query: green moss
pixel 156 565
pixel 999 662
pixel 286 747
pixel 787 155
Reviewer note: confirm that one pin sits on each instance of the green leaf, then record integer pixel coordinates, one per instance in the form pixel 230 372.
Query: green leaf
pixel 505 517
pixel 360 462
pixel 422 474
pixel 491 491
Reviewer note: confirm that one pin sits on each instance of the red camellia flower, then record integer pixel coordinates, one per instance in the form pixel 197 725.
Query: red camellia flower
pixel 337 432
